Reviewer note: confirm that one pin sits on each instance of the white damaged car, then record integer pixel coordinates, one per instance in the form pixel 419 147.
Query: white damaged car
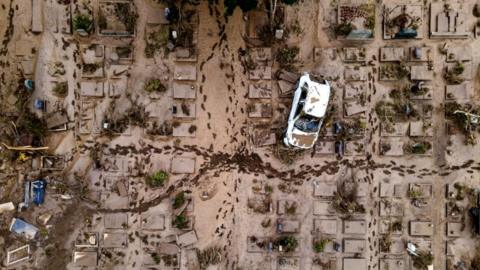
pixel 309 106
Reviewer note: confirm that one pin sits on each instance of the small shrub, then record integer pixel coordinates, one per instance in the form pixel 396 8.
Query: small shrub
pixel 157 179
pixel 179 200
pixel 344 29
pixel 124 52
pixel 415 194
pixel 102 21
pixel 453 76
pixel 82 22
pixel 476 10
pixel 385 242
pixel 127 15
pixel 155 258
pixel 291 208
pixel 396 226
pixel 288 243
pixel 181 221
pixel 370 22
pixel 155 85
pixel 192 129
pixel 319 246
pixel 346 201
pixel 296 28
pixel 458 69
pixel 423 260
pixel 419 147
pixel 287 56
pixel 156 40
pixel 32 124
pixel 475 263
pixel 267 35
pixel 60 89
pixel 90 68
pixel 210 256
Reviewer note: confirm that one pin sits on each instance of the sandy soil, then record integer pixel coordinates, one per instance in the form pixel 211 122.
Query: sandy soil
pixel 225 159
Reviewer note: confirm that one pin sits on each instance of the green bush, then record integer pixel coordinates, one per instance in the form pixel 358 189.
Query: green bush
pixel 370 22
pixel 458 69
pixel 287 56
pixel 344 29
pixel 288 243
pixel 319 246
pixel 82 22
pixel 420 147
pixel 156 40
pixel 127 15
pixel 90 68
pixel 181 221
pixel 423 260
pixel 179 200
pixel 155 85
pixel 30 123
pixel 157 179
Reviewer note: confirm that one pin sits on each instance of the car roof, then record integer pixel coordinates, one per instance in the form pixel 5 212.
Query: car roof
pixel 317 99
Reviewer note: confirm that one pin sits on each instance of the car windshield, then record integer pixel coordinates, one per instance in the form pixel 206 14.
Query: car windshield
pixel 307 124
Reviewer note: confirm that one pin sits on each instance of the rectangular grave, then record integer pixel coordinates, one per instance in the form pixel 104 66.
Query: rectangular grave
pixel 398 129
pixel 260 90
pixel 391 147
pixel 421 228
pixel 354 107
pixel 421 129
pixel 461 91
pixel 354 263
pixel 354 54
pixel 393 264
pixel 391 209
pixel 182 90
pixel 392 54
pixel 321 208
pixel 325 147
pixel 181 109
pixel 185 72
pixel 260 73
pixel 115 240
pixel 354 227
pixel 91 89
pixel 421 73
pixel 324 189
pixel 355 90
pixel 183 165
pixel 358 73
pixel 354 245
pixel 115 221
pixel 325 226
pixel 421 54
pixel 184 130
